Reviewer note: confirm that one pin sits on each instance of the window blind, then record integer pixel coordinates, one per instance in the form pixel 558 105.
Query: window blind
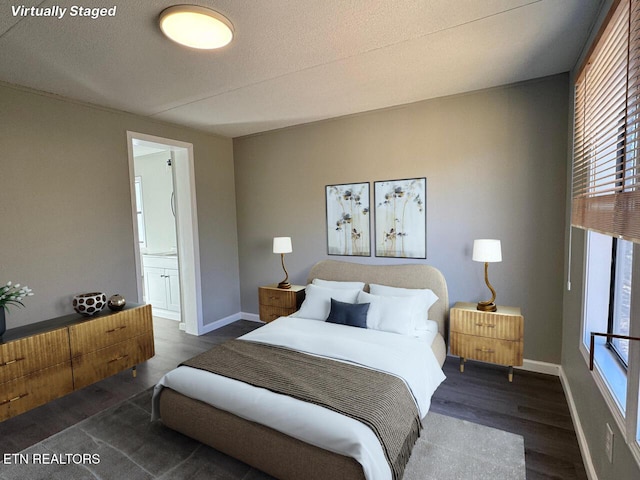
pixel 606 179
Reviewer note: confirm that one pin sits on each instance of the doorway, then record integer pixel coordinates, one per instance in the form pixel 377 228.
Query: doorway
pixel 165 228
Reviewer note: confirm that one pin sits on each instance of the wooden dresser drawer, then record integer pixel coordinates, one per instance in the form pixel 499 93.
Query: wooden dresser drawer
pixel 99 364
pixel 278 302
pixel 269 314
pixel 28 355
pixel 24 393
pixel 102 332
pixel 493 350
pixel 496 325
pixel 274 298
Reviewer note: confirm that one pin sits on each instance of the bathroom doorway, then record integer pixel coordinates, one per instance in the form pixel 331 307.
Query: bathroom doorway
pixel 165 227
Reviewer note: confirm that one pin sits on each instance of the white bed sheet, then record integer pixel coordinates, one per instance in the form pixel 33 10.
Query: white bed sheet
pixel 407 357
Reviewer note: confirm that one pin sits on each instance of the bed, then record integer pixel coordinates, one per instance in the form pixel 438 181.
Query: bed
pixel 278 441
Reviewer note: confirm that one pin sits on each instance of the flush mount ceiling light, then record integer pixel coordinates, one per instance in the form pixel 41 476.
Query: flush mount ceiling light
pixel 196 27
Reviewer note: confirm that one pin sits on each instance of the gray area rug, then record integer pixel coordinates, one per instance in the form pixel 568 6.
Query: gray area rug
pixel 121 443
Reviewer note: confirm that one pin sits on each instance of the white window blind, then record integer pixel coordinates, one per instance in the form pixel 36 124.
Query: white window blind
pixel 606 180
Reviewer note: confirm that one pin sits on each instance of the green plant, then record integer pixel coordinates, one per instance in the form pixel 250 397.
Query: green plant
pixel 13 295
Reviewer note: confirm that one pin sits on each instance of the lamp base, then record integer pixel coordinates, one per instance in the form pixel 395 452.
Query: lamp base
pixel 284 285
pixel 486 307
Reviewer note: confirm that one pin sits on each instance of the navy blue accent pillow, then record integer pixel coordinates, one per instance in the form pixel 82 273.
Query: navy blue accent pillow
pixel 352 314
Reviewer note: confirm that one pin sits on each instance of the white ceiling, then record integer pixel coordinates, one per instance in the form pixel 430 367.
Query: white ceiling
pixel 291 61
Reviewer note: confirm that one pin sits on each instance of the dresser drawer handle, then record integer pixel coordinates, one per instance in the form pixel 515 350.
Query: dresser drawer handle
pixel 11 361
pixel 116 329
pixel 485 350
pixel 9 400
pixel 490 325
pixel 116 359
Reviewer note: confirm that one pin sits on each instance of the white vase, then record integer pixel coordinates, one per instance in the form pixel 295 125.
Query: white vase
pixel 89 303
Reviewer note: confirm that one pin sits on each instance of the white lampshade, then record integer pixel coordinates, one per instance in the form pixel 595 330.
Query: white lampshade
pixel 282 245
pixel 486 250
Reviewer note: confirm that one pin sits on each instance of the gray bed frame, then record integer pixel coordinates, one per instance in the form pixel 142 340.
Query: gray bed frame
pixel 273 452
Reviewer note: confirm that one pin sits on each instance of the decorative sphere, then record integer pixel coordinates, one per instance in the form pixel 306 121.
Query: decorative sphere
pixel 116 302
pixel 89 303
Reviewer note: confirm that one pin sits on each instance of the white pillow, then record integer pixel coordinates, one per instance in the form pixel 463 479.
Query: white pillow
pixel 317 301
pixel 426 299
pixel 335 284
pixel 427 326
pixel 390 314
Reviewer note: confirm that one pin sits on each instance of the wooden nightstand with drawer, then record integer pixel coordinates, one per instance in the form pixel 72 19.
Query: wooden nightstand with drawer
pixel 279 302
pixel 494 337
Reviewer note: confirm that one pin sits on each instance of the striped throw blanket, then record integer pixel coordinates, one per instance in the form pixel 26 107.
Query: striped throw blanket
pixel 381 401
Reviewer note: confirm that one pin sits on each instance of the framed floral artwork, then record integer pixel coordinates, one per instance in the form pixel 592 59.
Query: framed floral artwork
pixel 348 224
pixel 401 218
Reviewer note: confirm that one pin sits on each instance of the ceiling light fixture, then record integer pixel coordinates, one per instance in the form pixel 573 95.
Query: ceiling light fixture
pixel 196 27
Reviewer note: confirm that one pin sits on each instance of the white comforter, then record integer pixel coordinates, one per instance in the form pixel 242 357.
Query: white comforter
pixel 407 357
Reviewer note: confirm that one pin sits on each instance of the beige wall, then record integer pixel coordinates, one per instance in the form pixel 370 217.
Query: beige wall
pixel 65 204
pixel 495 166
pixel 589 402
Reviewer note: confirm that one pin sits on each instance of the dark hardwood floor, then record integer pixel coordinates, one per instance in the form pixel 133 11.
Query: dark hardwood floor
pixel 533 406
pixel 172 347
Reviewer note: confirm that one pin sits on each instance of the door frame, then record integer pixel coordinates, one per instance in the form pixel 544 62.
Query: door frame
pixel 186 228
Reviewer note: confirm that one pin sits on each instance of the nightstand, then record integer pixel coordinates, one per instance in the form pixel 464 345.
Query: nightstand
pixel 278 302
pixel 494 337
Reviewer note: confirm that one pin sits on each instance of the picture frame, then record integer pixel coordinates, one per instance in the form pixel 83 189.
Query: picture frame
pixel 348 219
pixel 401 218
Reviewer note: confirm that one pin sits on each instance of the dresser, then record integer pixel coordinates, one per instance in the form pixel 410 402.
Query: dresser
pixel 46 360
pixel 277 302
pixel 34 370
pixel 494 337
pixel 106 345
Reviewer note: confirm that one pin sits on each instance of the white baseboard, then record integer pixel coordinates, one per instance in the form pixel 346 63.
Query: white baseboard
pixel 210 327
pixel 577 425
pixel 540 367
pixel 252 317
pixel 537 367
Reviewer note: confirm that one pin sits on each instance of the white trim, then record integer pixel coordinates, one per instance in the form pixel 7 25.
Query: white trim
pixel 252 317
pixel 210 327
pixel 608 397
pixel 577 425
pixel 633 374
pixel 186 229
pixel 540 367
pixel 188 240
pixel 134 212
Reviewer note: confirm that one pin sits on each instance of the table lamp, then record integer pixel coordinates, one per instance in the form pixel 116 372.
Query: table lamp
pixel 487 251
pixel 282 245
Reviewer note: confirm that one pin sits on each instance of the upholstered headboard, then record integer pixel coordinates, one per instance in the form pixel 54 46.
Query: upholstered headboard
pixel 404 276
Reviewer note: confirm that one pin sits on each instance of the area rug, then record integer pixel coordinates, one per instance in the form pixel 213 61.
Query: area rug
pixel 121 443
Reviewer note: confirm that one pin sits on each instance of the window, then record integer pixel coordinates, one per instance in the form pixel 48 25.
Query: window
pixel 606 172
pixel 607 309
pixel 620 298
pixel 606 203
